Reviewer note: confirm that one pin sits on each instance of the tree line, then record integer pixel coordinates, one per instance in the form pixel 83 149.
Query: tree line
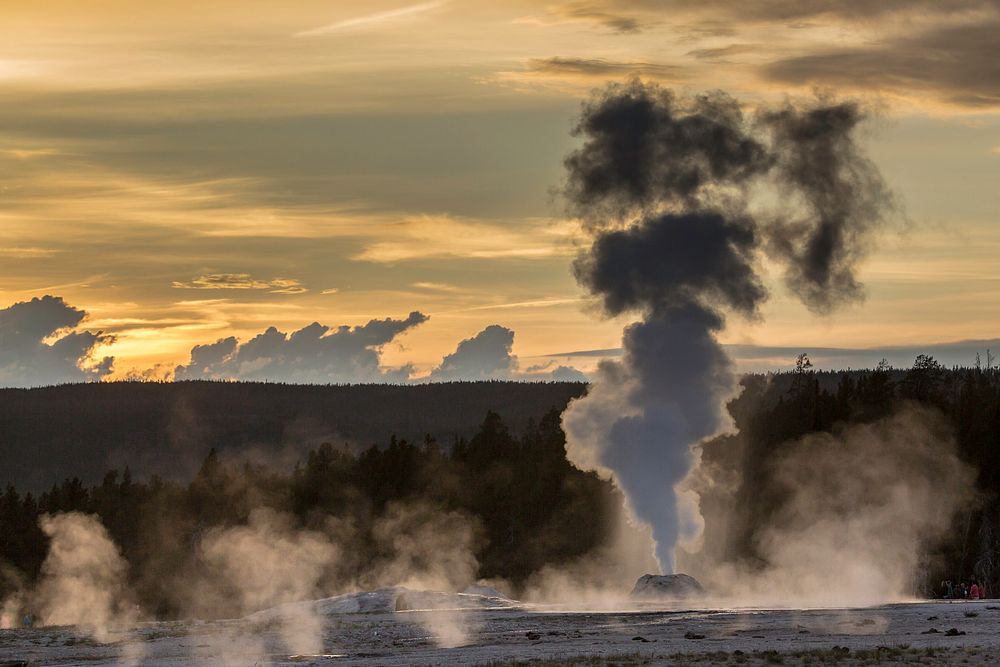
pixel 774 410
pixel 530 506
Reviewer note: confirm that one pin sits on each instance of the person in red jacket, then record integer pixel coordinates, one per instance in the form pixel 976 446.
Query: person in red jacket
pixel 974 590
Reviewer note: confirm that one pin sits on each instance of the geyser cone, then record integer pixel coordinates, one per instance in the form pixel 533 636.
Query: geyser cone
pixel 667 586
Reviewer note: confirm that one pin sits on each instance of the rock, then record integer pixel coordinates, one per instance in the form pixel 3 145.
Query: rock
pixel 672 586
pixel 953 632
pixel 483 591
pixel 693 635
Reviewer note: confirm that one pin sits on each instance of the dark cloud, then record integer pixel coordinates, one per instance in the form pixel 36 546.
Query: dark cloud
pixel 791 10
pixel 844 197
pixel 488 356
pixel 605 69
pixel 314 354
pixel 39 347
pixel 715 17
pixel 956 64
pixel 722 53
pixel 945 49
pixel 617 22
pixel 306 162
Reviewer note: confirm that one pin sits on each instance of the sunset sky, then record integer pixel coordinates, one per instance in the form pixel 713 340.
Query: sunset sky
pixel 189 171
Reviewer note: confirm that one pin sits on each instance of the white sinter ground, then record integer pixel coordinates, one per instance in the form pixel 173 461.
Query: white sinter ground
pixel 401 627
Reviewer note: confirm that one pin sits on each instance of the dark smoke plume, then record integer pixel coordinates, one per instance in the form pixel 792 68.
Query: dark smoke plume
pixel 644 149
pixel 663 184
pixel 674 260
pixel 844 196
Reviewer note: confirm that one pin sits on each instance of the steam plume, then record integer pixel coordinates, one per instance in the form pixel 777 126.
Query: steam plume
pixel 663 184
pixel 844 198
pixel 83 581
pixel 268 563
pixel 885 493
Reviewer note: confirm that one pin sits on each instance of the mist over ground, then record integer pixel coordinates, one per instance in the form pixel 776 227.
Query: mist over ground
pixel 894 467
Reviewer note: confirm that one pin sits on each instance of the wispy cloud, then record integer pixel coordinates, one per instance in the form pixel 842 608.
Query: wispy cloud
pixel 953 63
pixel 587 13
pixel 576 75
pixel 600 68
pixel 241 281
pixel 372 19
pixel 27 252
pixel 538 303
pixel 18 69
pixel 436 287
pixel 28 153
pixel 433 236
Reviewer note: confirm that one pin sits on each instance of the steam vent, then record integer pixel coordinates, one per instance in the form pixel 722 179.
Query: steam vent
pixel 672 586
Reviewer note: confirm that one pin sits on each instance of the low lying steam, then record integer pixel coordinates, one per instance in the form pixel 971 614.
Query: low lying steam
pixel 860 509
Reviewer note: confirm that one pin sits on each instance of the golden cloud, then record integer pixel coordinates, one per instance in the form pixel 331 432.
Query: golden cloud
pixel 241 281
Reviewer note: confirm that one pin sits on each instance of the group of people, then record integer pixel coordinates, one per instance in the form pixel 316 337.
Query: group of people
pixel 963 590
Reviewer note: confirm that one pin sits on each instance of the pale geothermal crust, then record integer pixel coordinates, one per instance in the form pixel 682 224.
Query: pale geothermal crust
pixel 367 629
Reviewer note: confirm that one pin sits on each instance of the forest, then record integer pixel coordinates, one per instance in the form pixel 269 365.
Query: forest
pixel 527 505
pixel 48 434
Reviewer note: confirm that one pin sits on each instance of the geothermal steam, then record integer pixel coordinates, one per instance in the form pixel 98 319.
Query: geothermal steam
pixel 83 577
pixel 664 186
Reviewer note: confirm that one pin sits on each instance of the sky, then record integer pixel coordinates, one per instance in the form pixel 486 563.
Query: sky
pixel 206 178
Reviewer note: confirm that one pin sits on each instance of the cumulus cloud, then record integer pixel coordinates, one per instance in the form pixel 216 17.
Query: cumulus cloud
pixel 553 372
pixel 489 356
pixel 39 345
pixel 313 354
pixel 484 356
pixel 241 281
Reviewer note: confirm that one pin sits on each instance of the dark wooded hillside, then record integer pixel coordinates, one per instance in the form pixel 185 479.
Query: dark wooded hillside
pixel 167 429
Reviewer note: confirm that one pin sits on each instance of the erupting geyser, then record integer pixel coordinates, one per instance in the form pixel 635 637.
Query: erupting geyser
pixel 662 184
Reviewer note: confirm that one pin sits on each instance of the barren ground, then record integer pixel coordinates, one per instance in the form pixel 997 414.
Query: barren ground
pixel 529 635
